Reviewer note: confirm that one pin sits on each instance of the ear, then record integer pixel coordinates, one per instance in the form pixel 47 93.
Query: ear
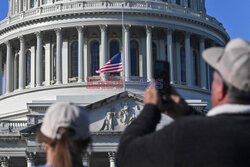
pixel 222 91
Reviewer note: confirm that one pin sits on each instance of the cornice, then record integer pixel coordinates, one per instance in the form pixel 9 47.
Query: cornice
pixel 35 16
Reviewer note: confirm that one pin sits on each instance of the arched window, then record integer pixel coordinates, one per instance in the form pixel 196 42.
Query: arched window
pixel 53 64
pixel 195 69
pixel 113 50
pixel 178 2
pixel 183 64
pixel 154 51
pixel 28 67
pixel 94 52
pixel 74 60
pixel 43 64
pixel 134 61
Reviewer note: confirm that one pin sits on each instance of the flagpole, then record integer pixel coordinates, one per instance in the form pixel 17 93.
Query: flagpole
pixel 123 51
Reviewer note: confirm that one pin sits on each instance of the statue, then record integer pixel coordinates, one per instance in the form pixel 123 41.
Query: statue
pixel 108 123
pixel 124 115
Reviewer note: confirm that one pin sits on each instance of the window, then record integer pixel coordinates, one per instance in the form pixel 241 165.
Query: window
pixel 154 51
pixel 113 50
pixel 189 3
pixel 94 52
pixel 195 69
pixel 178 2
pixel 183 64
pixel 28 67
pixel 134 61
pixel 166 52
pixel 74 60
pixel 32 3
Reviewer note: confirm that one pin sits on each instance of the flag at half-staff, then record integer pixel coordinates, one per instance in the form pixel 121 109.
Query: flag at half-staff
pixel 114 65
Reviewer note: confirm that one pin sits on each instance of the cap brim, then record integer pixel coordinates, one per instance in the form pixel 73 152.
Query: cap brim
pixel 212 56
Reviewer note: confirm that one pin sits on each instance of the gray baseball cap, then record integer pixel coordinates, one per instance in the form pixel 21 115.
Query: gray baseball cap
pixel 65 115
pixel 232 62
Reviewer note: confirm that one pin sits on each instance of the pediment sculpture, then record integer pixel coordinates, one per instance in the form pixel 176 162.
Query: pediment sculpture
pixel 120 118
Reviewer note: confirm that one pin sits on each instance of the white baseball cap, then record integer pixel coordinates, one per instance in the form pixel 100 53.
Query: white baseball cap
pixel 66 115
pixel 232 62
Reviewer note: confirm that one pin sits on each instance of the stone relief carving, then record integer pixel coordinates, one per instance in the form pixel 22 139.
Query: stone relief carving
pixel 108 123
pixel 120 118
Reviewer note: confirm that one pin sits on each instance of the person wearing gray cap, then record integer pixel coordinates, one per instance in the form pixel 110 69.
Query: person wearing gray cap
pixel 218 139
pixel 65 135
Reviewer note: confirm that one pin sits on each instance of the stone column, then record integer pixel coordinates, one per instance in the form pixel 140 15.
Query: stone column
pixel 47 63
pixel 80 54
pixel 4 161
pixel 85 159
pixel 10 8
pixel 1 73
pixel 30 156
pixel 9 74
pixel 127 52
pixel 4 78
pixel 149 53
pixel 112 156
pixel 39 60
pixel 28 6
pixel 65 61
pixel 104 49
pixel 170 54
pixel 33 67
pixel 58 56
pixel 188 60
pixel 203 65
pixel 22 62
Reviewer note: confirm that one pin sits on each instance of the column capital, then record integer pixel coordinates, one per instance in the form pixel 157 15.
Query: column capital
pixel 187 34
pixel 4 161
pixel 202 38
pixel 21 38
pixel 127 27
pixel 103 27
pixel 112 156
pixel 169 30
pixel 149 29
pixel 38 34
pixel 58 30
pixel 80 28
pixel 7 43
pixel 30 155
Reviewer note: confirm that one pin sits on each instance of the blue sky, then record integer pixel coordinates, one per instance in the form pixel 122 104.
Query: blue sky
pixel 234 15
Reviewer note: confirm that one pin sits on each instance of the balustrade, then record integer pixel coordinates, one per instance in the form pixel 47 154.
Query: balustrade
pixel 132 5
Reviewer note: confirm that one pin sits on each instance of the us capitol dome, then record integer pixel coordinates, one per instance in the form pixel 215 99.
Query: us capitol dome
pixel 50 51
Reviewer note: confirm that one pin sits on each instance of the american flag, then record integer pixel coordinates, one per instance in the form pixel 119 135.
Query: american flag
pixel 114 65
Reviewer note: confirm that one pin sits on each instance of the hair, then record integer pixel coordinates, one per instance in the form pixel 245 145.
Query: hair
pixel 238 96
pixel 68 151
pixel 234 94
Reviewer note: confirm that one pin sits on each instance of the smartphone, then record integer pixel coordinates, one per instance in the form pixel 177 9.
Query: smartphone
pixel 162 79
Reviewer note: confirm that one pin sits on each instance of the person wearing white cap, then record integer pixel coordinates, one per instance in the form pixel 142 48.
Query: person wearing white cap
pixel 65 135
pixel 218 139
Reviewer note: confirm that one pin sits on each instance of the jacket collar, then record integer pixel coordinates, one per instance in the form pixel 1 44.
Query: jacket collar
pixel 229 109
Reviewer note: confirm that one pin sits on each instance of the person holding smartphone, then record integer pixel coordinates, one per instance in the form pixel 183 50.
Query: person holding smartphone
pixel 218 139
